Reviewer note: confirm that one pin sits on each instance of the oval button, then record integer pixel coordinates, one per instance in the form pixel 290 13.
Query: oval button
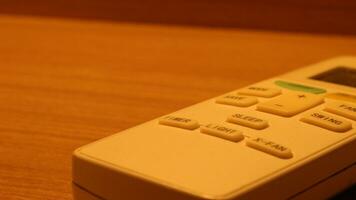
pixel 222 131
pixel 260 91
pixel 327 121
pixel 347 110
pixel 342 96
pixel 269 147
pixel 237 100
pixel 249 121
pixel 179 122
pixel 300 87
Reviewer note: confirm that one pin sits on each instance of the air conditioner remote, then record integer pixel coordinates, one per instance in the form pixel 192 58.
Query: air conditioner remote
pixel 289 137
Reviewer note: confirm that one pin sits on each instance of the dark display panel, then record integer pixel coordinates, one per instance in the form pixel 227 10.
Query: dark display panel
pixel 339 75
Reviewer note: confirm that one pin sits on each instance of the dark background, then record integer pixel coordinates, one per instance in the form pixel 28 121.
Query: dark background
pixel 316 16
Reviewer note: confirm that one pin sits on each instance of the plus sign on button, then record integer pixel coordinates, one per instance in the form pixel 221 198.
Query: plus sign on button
pixel 290 104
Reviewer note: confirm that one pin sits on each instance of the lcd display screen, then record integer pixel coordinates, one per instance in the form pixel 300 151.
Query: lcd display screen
pixel 339 75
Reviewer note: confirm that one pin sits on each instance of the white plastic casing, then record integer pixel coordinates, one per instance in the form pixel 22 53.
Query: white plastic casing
pixel 153 161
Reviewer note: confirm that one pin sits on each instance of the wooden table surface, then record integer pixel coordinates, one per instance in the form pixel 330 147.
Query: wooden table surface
pixel 65 83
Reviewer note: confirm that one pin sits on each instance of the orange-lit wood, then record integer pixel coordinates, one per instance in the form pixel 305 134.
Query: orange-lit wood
pixel 65 83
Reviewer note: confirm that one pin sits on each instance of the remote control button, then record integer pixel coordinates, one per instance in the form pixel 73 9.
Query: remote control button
pixel 342 97
pixel 179 122
pixel 300 87
pixel 249 121
pixel 343 109
pixel 222 131
pixel 237 100
pixel 269 147
pixel 290 104
pixel 327 121
pixel 260 91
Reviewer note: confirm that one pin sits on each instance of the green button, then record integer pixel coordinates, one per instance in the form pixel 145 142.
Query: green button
pixel 299 87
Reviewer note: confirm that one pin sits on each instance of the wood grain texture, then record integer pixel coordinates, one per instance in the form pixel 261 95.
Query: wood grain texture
pixel 65 83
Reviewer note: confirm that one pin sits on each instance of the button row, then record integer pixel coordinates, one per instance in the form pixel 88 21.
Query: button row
pixel 286 105
pixel 290 104
pixel 230 134
pixel 252 92
pixel 238 118
pixel 317 118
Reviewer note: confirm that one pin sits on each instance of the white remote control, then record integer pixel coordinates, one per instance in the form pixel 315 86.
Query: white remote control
pixel 289 137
